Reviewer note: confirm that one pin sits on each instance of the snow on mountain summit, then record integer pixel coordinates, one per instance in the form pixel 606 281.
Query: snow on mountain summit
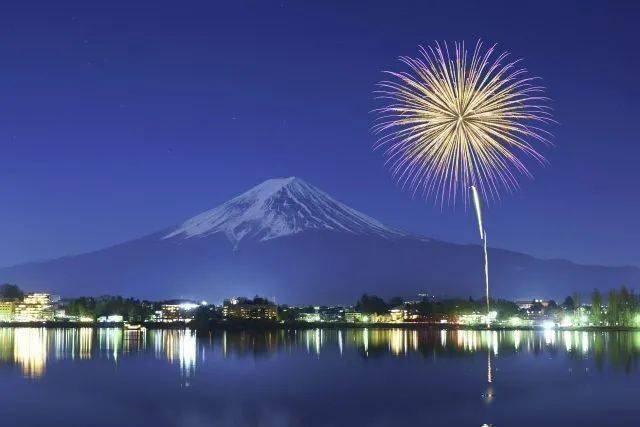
pixel 276 208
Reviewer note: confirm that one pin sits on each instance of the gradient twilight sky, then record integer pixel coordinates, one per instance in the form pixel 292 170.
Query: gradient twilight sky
pixel 121 118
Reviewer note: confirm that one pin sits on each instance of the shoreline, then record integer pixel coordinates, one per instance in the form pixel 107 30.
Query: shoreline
pixel 259 325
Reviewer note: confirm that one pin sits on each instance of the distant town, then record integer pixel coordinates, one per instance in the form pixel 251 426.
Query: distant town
pixel 622 310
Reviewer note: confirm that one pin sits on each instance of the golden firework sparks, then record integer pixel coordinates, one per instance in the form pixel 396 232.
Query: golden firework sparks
pixel 456 121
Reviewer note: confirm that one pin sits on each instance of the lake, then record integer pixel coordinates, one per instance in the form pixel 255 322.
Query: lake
pixel 332 377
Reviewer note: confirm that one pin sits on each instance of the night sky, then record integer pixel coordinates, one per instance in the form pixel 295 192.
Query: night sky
pixel 121 119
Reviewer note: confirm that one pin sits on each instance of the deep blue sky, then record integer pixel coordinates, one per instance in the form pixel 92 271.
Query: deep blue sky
pixel 120 118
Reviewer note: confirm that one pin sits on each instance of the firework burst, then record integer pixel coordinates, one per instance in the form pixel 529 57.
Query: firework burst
pixel 455 120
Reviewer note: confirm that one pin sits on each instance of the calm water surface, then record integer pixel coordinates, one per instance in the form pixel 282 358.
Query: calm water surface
pixel 369 377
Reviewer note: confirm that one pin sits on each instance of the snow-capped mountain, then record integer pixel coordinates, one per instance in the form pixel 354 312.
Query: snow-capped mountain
pixel 277 208
pixel 287 239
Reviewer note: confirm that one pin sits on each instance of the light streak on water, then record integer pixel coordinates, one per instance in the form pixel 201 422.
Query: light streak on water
pixel 30 350
pixel 33 350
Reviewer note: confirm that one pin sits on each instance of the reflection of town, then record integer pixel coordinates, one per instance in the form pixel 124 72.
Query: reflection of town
pixel 32 349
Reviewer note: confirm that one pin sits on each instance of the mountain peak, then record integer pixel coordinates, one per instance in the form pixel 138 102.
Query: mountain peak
pixel 273 185
pixel 279 207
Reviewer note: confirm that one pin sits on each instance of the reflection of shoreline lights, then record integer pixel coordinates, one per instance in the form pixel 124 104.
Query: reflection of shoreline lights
pixel 568 341
pixel 467 340
pixel 318 341
pixel 177 345
pixel 224 344
pixel 71 343
pixel 365 339
pixel 109 340
pixel 187 352
pixel 550 337
pixel 31 346
pixel 134 340
pixel 314 337
pixel 86 338
pixel 30 350
pixel 576 341
pixel 6 344
pixel 494 342
pixel 396 342
pixel 585 342
pixel 34 349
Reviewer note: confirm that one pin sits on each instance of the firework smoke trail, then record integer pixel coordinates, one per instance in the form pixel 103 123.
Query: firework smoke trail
pixel 483 237
pixel 476 204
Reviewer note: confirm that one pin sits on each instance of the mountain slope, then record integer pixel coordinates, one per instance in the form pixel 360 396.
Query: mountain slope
pixel 287 239
pixel 277 208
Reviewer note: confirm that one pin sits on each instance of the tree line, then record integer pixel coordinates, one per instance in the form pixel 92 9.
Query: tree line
pixel 372 304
